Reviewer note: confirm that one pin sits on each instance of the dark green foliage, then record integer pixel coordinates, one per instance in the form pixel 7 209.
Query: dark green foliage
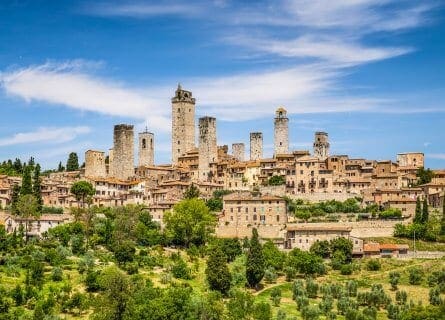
pixel 190 222
pixel 351 288
pixel 231 247
pixel 434 297
pixel 72 164
pixel 373 265
pixel 191 192
pixel 311 288
pixel 57 274
pixel 342 245
pixel 275 296
pixel 15 198
pixel 36 188
pixel 273 257
pixel 442 221
pixel 424 176
pixel 326 304
pixel 376 297
pixel 401 297
pixel 82 190
pixel 425 213
pixel 390 213
pixel 270 276
pixel 255 263
pixel 240 306
pixel 310 313
pixel 321 249
pixel 415 275
pixel 418 212
pixel 180 270
pixel 147 232
pixel 217 271
pixel 276 181
pixel 394 278
pixel 124 251
pixel 346 269
pixel 92 281
pixel 26 187
pixel 305 263
pixel 60 167
pixel 262 311
pixel 18 295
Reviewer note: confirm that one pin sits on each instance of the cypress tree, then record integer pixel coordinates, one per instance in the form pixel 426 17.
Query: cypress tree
pixel 217 272
pixel 36 188
pixel 73 162
pixel 425 211
pixel 442 222
pixel 26 182
pixel 255 263
pixel 418 215
pixel 60 168
pixel 15 198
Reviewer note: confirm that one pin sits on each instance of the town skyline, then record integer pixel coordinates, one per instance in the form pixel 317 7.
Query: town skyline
pixel 73 71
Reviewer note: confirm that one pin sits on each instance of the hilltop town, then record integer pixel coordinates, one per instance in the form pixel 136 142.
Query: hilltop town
pixel 257 191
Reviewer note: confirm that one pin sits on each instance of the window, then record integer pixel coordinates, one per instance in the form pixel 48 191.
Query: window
pixel 144 144
pixel 278 218
pixel 254 217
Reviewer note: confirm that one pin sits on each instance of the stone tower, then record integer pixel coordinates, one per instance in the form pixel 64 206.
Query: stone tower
pixel 110 162
pixel 123 152
pixel 281 132
pixel 208 149
pixel 256 145
pixel 321 145
pixel 95 164
pixel 183 123
pixel 238 151
pixel 146 148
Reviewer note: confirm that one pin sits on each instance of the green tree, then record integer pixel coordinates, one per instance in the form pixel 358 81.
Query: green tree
pixel 425 214
pixel 262 311
pixel 418 214
pixel 191 192
pixel 276 181
pixel 72 164
pixel 394 278
pixel 442 221
pixel 240 306
pixel 190 222
pixel 15 198
pixel 321 249
pixel 60 168
pixel 415 275
pixel 273 257
pixel 82 190
pixel 424 176
pixel 255 264
pixel 27 208
pixel 36 188
pixel 343 245
pixel 217 272
pixel 26 182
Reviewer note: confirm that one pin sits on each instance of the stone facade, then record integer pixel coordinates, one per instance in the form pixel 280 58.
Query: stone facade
pixel 183 123
pixel 321 145
pixel 208 149
pixel 256 145
pixel 281 132
pixel 95 164
pixel 146 149
pixel 238 151
pixel 411 159
pixel 123 152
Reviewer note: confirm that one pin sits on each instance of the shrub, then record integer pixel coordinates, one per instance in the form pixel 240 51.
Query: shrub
pixel 269 275
pixel 415 275
pixel 57 274
pixel 373 265
pixel 180 270
pixel 346 269
pixel 394 278
pixel 275 296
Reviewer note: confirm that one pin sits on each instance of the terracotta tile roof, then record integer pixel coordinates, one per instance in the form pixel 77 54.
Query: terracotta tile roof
pixel 371 247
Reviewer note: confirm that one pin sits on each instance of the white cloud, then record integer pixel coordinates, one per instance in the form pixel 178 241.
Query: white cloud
pixel 440 156
pixel 339 51
pixel 71 85
pixel 44 134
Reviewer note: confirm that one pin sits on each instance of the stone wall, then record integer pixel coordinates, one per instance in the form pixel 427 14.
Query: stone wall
pixel 95 164
pixel 238 151
pixel 123 152
pixel 208 149
pixel 322 196
pixel 183 123
pixel 146 149
pixel 256 145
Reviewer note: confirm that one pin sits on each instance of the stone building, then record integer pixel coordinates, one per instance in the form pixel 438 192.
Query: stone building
pixel 411 159
pixel 146 149
pixel 281 132
pixel 256 145
pixel 183 123
pixel 208 149
pixel 321 145
pixel 122 165
pixel 238 151
pixel 95 164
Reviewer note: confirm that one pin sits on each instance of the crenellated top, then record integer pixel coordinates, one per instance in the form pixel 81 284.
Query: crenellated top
pixel 183 95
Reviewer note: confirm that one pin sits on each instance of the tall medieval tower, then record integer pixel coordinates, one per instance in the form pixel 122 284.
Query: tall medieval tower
pixel 256 145
pixel 238 151
pixel 208 149
pixel 122 164
pixel 321 145
pixel 146 148
pixel 281 132
pixel 95 164
pixel 183 123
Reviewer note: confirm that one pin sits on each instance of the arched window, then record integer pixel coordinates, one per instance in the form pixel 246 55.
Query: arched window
pixel 144 144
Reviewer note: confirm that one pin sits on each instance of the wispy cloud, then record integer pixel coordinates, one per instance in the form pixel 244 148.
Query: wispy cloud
pixel 73 85
pixel 440 156
pixel 46 135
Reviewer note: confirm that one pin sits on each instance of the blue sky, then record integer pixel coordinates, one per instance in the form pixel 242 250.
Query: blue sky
pixel 369 72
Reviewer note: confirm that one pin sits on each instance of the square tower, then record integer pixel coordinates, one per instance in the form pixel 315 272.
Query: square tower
pixel 123 152
pixel 281 132
pixel 208 149
pixel 183 123
pixel 238 151
pixel 256 145
pixel 146 148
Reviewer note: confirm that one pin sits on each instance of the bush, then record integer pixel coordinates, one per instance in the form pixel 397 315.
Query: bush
pixel 180 270
pixel 346 269
pixel 57 274
pixel 275 296
pixel 394 278
pixel 415 275
pixel 270 275
pixel 373 265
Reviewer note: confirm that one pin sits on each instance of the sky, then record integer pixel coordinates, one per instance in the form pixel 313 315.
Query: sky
pixel 371 73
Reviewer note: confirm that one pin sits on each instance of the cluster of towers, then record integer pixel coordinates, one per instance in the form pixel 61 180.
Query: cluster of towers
pixel 121 156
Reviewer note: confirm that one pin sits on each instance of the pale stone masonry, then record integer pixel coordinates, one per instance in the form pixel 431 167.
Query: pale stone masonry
pixel 238 151
pixel 256 145
pixel 321 145
pixel 208 149
pixel 123 152
pixel 95 164
pixel 146 149
pixel 281 132
pixel 183 123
